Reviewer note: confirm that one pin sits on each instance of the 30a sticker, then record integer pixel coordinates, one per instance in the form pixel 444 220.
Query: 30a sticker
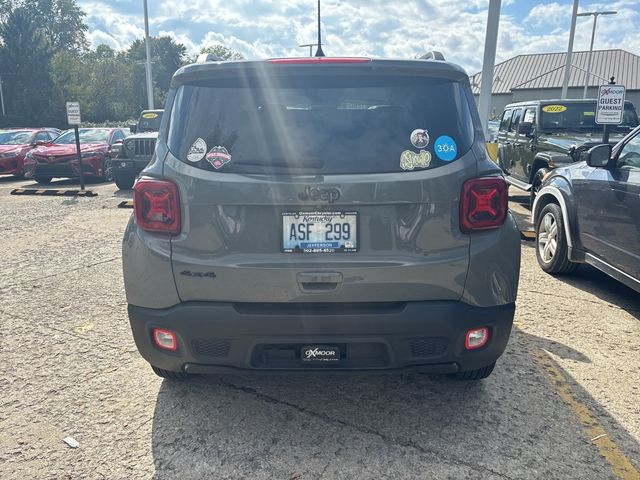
pixel 410 160
pixel 554 108
pixel 218 157
pixel 197 151
pixel 419 138
pixel 446 148
pixel 150 115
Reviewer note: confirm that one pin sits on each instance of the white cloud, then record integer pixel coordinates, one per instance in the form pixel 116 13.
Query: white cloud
pixel 380 28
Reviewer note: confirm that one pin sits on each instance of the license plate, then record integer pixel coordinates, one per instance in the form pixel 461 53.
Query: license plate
pixel 320 232
pixel 320 353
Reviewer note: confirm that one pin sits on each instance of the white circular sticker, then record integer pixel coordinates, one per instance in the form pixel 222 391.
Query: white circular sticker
pixel 420 138
pixel 197 151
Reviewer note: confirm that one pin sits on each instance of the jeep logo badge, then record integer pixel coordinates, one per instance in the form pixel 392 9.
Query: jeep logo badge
pixel 320 194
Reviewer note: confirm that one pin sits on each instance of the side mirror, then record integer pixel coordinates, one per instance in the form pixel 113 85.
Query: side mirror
pixel 133 127
pixel 599 156
pixel 525 128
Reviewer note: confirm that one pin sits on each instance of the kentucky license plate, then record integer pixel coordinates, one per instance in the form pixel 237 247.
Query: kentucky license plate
pixel 320 232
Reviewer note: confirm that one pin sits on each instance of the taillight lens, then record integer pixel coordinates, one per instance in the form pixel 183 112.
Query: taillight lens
pixel 156 205
pixel 483 204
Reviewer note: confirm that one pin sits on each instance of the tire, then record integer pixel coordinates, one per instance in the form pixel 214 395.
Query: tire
pixel 124 180
pixel 107 170
pixel 477 374
pixel 43 180
pixel 552 250
pixel 169 375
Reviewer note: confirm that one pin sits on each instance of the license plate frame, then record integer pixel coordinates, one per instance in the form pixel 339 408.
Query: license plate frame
pixel 320 354
pixel 323 246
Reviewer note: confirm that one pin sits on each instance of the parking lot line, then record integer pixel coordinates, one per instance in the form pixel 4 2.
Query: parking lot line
pixel 620 464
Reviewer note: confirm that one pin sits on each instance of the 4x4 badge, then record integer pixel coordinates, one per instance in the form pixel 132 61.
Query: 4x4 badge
pixel 218 156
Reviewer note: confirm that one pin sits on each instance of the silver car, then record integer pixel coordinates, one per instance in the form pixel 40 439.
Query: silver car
pixel 321 214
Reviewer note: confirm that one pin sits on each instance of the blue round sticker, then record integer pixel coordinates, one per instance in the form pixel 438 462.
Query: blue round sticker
pixel 445 148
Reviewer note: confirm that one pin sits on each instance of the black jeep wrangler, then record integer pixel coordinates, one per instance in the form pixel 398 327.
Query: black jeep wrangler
pixel 136 151
pixel 539 135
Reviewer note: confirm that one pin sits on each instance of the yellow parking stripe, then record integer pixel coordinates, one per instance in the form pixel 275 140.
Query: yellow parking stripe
pixel 620 464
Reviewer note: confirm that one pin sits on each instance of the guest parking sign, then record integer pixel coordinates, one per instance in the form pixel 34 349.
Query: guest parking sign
pixel 610 104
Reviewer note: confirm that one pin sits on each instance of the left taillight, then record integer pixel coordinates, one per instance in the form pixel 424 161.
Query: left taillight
pixel 156 205
pixel 483 204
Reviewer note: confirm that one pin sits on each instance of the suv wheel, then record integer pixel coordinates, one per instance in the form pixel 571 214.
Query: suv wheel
pixel 107 170
pixel 43 180
pixel 168 374
pixel 477 374
pixel 552 250
pixel 124 180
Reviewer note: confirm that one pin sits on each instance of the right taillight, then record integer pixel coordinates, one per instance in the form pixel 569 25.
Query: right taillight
pixel 483 204
pixel 156 205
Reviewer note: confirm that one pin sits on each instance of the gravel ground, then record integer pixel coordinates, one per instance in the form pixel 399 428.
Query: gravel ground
pixel 70 368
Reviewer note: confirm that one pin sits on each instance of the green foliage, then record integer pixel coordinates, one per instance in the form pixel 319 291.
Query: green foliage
pixel 222 52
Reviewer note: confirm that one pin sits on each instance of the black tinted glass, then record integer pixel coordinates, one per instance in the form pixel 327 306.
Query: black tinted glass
pixel 323 124
pixel 581 116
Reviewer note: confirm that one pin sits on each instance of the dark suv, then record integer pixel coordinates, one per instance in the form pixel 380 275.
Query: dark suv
pixel 537 136
pixel 321 214
pixel 136 151
pixel 589 212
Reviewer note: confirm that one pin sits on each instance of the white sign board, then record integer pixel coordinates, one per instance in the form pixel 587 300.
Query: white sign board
pixel 610 104
pixel 73 113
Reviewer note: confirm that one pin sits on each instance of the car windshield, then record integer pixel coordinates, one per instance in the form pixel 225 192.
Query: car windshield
pixel 16 137
pixel 149 122
pixel 581 116
pixel 321 124
pixel 87 135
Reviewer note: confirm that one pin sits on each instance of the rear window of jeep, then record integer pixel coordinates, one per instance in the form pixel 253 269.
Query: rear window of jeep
pixel 320 124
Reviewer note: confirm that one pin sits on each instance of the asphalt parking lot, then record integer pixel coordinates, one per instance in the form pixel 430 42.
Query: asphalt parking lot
pixel 563 402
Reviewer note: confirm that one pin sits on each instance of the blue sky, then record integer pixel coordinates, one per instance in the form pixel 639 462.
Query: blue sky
pixel 380 28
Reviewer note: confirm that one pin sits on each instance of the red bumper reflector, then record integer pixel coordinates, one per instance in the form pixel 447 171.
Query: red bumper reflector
pixel 476 338
pixel 165 339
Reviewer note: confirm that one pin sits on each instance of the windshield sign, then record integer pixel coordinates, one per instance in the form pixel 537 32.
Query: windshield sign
pixel 149 122
pixel 581 116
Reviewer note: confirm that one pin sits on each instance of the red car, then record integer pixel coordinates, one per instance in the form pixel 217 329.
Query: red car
pixel 59 158
pixel 16 143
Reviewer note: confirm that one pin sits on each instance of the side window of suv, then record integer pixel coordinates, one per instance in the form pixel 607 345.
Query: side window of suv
pixel 530 115
pixel 506 120
pixel 515 120
pixel 629 157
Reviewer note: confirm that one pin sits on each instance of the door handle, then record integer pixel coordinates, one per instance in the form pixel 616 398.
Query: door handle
pixel 318 282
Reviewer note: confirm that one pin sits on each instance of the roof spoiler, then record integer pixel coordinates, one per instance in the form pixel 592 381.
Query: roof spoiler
pixel 208 57
pixel 433 55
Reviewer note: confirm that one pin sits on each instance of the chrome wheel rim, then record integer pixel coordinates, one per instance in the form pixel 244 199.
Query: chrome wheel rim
pixel 548 238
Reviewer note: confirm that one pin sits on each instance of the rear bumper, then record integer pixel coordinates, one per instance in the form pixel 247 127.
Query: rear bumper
pixel 413 336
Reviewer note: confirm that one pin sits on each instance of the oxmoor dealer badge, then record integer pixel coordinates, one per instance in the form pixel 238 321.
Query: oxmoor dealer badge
pixel 320 354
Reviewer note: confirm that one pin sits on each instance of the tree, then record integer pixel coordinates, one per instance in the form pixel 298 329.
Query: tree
pixel 167 56
pixel 25 62
pixel 222 52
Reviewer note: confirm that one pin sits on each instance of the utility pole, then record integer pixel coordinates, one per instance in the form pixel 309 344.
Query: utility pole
pixel 567 65
pixel 488 63
pixel 147 47
pixel 587 74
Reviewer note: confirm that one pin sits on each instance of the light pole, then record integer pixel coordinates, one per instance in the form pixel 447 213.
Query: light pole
pixel 567 64
pixel 147 47
pixel 488 63
pixel 593 35
pixel 1 96
pixel 310 45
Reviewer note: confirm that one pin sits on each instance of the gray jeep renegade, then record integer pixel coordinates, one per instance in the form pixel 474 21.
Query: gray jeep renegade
pixel 321 214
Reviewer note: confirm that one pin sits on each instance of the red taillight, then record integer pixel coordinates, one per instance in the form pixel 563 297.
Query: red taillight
pixel 156 205
pixel 165 339
pixel 319 60
pixel 483 204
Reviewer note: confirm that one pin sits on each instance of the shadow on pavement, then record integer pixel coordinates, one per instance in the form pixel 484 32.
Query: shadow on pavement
pixel 511 425
pixel 592 280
